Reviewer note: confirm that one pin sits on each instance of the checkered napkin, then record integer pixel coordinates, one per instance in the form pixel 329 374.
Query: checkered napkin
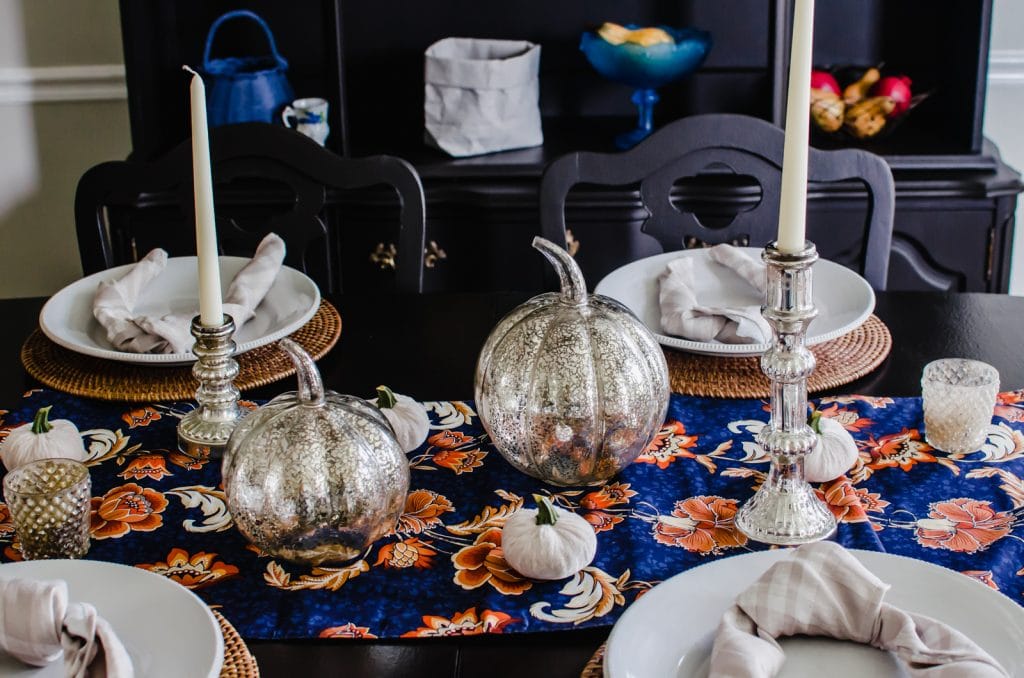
pixel 115 301
pixel 38 626
pixel 822 590
pixel 683 314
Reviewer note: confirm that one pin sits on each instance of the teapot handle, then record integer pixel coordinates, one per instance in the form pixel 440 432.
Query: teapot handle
pixel 311 386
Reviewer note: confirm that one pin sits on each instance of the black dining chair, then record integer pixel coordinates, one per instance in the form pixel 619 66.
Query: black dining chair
pixel 266 179
pixel 711 147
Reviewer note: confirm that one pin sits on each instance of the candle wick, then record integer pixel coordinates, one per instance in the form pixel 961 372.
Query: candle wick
pixel 186 67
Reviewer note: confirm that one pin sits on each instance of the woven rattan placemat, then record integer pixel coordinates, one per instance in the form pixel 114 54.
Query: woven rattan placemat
pixel 595 666
pixel 82 375
pixel 840 361
pixel 238 661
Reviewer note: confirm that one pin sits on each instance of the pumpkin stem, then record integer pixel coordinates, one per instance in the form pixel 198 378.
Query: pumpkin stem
pixel 546 514
pixel 385 398
pixel 574 287
pixel 815 421
pixel 311 387
pixel 41 422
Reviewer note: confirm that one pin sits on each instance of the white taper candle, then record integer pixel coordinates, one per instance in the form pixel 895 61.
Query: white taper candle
pixel 793 201
pixel 211 312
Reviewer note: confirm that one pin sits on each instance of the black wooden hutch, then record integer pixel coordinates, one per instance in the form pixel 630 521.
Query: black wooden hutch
pixel 955 197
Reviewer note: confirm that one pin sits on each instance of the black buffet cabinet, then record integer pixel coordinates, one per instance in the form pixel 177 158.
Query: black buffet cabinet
pixel 955 198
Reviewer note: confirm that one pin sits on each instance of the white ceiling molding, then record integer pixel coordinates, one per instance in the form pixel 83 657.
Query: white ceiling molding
pixel 1006 67
pixel 38 84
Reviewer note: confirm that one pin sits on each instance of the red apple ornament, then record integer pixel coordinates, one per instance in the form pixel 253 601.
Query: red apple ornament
pixel 896 88
pixel 824 80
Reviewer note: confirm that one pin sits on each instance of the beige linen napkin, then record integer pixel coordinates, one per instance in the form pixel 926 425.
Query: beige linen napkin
pixel 822 590
pixel 683 315
pixel 114 303
pixel 38 625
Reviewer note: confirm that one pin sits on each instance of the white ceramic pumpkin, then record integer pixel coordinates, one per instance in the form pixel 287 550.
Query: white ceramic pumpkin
pixel 547 542
pixel 834 453
pixel 42 439
pixel 406 416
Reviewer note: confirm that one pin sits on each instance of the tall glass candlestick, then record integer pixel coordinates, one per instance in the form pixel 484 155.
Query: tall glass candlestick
pixel 204 431
pixel 785 510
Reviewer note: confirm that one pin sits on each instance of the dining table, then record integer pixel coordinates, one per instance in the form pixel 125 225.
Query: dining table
pixel 427 345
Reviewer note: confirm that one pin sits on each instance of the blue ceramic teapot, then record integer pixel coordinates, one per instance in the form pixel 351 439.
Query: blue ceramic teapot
pixel 247 88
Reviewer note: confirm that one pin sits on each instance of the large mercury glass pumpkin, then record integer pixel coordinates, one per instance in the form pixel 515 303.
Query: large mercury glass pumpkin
pixel 571 387
pixel 313 476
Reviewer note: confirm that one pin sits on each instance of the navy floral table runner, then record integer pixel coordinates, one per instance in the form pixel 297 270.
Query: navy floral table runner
pixel 442 572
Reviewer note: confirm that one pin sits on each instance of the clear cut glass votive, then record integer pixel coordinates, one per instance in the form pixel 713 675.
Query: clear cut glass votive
pixel 959 396
pixel 49 504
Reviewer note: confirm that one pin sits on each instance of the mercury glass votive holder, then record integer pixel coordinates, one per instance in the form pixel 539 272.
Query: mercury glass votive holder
pixel 49 504
pixel 959 396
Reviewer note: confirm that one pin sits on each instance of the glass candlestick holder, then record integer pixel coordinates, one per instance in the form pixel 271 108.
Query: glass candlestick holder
pixel 785 509
pixel 203 432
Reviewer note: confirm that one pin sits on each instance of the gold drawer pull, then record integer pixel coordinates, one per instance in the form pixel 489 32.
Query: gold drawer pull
pixel 384 256
pixel 432 254
pixel 572 245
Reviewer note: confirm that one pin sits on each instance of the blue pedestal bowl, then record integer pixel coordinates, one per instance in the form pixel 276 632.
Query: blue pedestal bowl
pixel 646 68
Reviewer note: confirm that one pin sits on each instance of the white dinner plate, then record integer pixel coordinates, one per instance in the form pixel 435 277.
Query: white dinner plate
pixel 67 317
pixel 166 629
pixel 669 632
pixel 843 298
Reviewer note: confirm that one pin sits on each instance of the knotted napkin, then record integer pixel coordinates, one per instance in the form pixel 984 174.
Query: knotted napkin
pixel 822 590
pixel 115 302
pixel 683 314
pixel 38 625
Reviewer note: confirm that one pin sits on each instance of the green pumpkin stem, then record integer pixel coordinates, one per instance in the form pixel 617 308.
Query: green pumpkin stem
pixel 385 398
pixel 546 514
pixel 815 421
pixel 41 422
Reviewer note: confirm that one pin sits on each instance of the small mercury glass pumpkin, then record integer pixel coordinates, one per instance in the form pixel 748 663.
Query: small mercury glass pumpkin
pixel 313 476
pixel 571 388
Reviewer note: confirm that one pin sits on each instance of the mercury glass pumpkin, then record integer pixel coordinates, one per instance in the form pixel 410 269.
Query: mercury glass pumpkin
pixel 571 387
pixel 313 476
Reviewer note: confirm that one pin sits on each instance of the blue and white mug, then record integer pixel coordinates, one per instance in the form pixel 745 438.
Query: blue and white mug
pixel 308 116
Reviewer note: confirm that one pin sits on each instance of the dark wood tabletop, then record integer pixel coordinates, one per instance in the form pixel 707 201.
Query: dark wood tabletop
pixel 426 346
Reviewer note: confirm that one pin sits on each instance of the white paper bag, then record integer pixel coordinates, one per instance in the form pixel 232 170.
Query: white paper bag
pixel 482 95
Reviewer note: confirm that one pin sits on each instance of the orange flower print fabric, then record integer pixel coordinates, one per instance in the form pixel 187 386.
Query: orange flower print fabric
pixel 146 466
pixel 441 571
pixel 6 523
pixel 423 510
pixel 192 571
pixel 126 508
pixel 466 623
pixel 850 504
pixel 410 552
pixel 703 525
pixel 452 450
pixel 348 630
pixel 669 444
pixel 142 416
pixel 902 450
pixel 963 525
pixel 484 563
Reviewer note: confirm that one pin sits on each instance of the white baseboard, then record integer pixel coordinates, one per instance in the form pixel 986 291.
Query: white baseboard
pixel 37 84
